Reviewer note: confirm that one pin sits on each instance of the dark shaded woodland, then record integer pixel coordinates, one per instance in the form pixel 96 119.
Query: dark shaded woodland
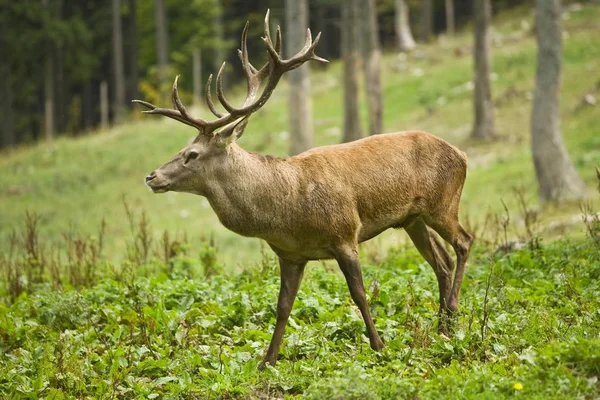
pixel 57 55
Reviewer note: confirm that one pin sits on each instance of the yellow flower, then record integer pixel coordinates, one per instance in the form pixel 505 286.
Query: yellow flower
pixel 518 386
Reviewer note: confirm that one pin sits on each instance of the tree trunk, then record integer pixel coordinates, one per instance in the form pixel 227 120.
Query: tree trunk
pixel 450 17
pixel 60 95
pixel 7 133
pixel 118 67
pixel 483 127
pixel 557 178
pixel 300 104
pixel 61 112
pixel 321 26
pixel 162 50
pixel 48 88
pixel 197 75
pixel 219 33
pixel 371 55
pixel 404 36
pixel 103 106
pixel 87 105
pixel 7 136
pixel 427 19
pixel 48 96
pixel 351 59
pixel 134 77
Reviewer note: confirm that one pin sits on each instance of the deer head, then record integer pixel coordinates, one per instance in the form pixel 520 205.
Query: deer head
pixel 191 166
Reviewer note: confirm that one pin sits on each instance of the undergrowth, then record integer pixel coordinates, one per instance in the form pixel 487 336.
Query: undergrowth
pixel 169 323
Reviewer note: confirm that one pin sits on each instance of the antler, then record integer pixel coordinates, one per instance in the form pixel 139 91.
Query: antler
pixel 273 69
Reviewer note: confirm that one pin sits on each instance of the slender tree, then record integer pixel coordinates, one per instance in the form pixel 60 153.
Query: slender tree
pixel 7 135
pixel 104 105
pixel 133 35
pixel 48 85
pixel 404 36
pixel 61 82
pixel 427 19
pixel 162 50
pixel 557 178
pixel 483 127
pixel 118 64
pixel 219 33
pixel 351 59
pixel 371 55
pixel 300 104
pixel 197 74
pixel 450 16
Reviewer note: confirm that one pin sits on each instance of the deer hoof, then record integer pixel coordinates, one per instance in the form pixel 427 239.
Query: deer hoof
pixel 263 365
pixel 377 345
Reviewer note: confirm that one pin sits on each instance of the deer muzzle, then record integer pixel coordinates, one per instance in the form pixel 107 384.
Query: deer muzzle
pixel 156 184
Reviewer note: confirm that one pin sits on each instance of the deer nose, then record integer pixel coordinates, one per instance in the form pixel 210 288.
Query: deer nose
pixel 150 177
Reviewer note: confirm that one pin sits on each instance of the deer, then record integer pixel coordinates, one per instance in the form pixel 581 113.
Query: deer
pixel 322 203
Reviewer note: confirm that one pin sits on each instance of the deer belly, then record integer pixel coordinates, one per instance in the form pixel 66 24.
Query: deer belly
pixel 370 229
pixel 301 251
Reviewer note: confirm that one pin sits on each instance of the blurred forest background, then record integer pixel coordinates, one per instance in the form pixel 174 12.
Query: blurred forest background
pixel 58 55
pixel 485 75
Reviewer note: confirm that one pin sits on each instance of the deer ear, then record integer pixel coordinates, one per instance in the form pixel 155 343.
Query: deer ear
pixel 233 131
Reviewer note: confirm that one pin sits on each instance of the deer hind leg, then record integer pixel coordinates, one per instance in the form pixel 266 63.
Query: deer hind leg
pixel 441 262
pixel 452 232
pixel 350 265
pixel 291 276
pixel 462 247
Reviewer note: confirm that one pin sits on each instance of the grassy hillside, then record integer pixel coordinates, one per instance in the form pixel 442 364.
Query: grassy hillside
pixel 74 183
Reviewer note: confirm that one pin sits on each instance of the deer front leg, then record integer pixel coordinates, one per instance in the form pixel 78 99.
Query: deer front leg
pixel 291 276
pixel 350 265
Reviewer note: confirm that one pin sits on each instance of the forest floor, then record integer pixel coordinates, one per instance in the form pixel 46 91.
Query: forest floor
pixel 161 301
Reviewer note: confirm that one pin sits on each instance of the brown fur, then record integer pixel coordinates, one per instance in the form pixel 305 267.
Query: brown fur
pixel 320 204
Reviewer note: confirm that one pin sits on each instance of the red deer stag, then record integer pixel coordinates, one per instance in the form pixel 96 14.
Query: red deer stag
pixel 322 203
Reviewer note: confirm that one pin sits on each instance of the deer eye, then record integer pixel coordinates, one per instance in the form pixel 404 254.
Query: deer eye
pixel 192 155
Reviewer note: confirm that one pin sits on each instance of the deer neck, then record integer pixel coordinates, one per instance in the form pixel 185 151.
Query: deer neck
pixel 248 189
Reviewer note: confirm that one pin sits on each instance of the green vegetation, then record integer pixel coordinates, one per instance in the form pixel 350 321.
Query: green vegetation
pixel 176 328
pixel 124 310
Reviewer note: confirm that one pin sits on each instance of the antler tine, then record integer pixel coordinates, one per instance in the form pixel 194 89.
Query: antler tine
pixel 278 40
pixel 197 122
pixel 173 114
pixel 314 46
pixel 273 70
pixel 268 33
pixel 247 66
pixel 180 113
pixel 274 50
pixel 307 42
pixel 267 29
pixel 254 77
pixel 307 53
pixel 226 104
pixel 243 53
pixel 209 101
